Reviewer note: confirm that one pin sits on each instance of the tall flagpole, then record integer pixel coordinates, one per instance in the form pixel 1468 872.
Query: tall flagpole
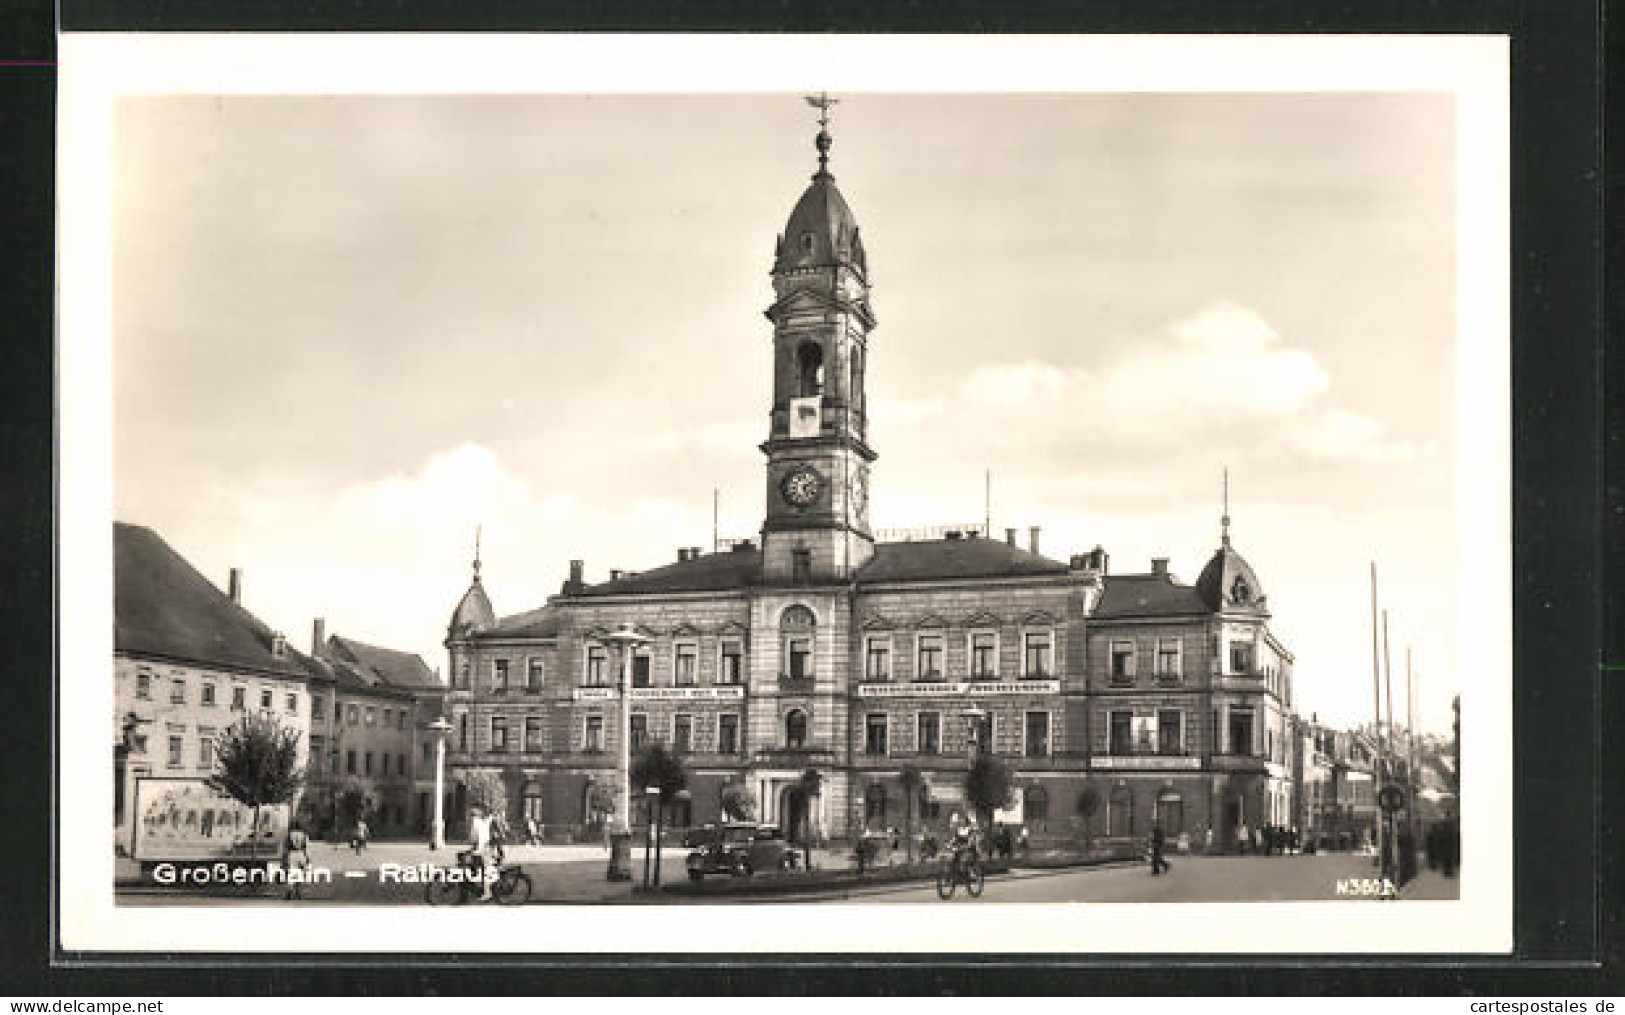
pixel 1376 682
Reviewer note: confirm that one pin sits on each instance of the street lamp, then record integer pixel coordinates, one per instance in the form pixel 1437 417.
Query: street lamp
pixel 626 639
pixel 440 727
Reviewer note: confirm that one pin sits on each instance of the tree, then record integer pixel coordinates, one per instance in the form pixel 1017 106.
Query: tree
pixel 657 767
pixel 810 784
pixel 737 802
pixel 485 789
pixel 256 763
pixel 987 786
pixel 912 780
pixel 1088 805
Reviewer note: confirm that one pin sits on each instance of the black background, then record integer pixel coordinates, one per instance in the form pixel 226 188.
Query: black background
pixel 1567 519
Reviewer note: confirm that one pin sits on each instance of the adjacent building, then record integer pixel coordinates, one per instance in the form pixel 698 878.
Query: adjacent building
pixel 188 662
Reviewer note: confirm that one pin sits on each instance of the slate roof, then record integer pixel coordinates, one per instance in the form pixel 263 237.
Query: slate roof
pixel 1218 579
pixel 162 606
pixel 926 560
pixel 403 670
pixel 1148 595
pixel 473 611
pixel 931 559
pixel 541 623
pixel 709 572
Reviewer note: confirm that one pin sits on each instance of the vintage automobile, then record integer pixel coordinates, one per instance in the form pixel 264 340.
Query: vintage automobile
pixel 738 849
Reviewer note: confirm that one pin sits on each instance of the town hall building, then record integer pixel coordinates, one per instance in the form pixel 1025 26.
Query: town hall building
pixel 1116 701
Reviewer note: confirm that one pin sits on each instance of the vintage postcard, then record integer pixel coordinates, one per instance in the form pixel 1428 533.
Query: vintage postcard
pixel 785 495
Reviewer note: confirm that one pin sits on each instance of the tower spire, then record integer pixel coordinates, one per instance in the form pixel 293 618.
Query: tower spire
pixel 1224 519
pixel 477 529
pixel 822 102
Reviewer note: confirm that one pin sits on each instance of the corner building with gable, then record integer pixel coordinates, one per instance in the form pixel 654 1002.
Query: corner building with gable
pixel 817 647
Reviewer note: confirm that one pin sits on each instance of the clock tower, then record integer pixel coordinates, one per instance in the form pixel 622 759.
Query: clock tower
pixel 817 523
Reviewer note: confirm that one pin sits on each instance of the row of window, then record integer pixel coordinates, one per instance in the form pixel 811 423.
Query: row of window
pixel 527 737
pixel 981 655
pixel 176 755
pixel 1163 732
pixel 239 694
pixel 1035 742
pixel 358 715
pixel 796 661
pixel 361 762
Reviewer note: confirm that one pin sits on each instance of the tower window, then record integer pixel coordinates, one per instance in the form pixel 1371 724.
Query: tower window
pixel 810 369
pixel 807 244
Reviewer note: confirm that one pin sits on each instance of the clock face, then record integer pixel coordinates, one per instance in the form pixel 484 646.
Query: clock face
pixel 801 487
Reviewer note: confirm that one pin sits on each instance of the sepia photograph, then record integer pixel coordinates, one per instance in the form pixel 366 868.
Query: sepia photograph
pixel 1046 508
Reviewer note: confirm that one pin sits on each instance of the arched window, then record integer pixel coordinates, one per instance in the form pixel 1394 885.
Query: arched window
pixel 1120 813
pixel 1035 804
pixel 810 369
pixel 798 630
pixel 795 728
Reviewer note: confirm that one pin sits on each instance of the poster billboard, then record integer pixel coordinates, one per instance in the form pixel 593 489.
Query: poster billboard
pixel 180 818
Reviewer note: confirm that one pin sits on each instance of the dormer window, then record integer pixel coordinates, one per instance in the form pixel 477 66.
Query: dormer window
pixel 806 244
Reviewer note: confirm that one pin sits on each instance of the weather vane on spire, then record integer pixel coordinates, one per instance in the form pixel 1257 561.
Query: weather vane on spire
pixel 822 102
pixel 1224 519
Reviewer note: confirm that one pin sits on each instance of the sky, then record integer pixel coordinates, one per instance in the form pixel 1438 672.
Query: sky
pixel 349 330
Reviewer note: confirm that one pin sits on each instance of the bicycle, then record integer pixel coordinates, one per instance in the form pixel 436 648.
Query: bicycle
pixel 960 867
pixel 511 888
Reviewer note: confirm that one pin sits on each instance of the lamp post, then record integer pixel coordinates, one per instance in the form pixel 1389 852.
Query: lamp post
pixel 437 831
pixel 626 639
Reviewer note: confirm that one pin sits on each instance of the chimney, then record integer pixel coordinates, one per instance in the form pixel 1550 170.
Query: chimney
pixel 1078 562
pixel 953 533
pixel 614 574
pixel 973 533
pixel 693 553
pixel 318 636
pixel 1159 566
pixel 575 572
pixel 1032 538
pixel 1098 559
pixel 1010 536
pixel 682 554
pixel 234 588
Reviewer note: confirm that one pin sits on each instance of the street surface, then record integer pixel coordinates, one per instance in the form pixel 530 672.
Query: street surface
pixel 1192 879
pixel 574 875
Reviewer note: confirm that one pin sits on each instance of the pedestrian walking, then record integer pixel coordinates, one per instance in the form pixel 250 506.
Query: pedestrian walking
pixel 296 861
pixel 1244 839
pixel 358 840
pixel 1158 864
pixel 1258 840
pixel 532 837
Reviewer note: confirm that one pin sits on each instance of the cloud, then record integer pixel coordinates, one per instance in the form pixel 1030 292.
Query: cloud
pixel 1224 357
pixel 1220 378
pixel 1017 383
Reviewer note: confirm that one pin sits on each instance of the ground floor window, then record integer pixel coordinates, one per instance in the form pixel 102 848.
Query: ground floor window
pixel 874 803
pixel 1120 813
pixel 1035 804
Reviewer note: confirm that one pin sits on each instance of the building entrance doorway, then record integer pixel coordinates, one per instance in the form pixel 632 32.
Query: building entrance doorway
pixel 793 814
